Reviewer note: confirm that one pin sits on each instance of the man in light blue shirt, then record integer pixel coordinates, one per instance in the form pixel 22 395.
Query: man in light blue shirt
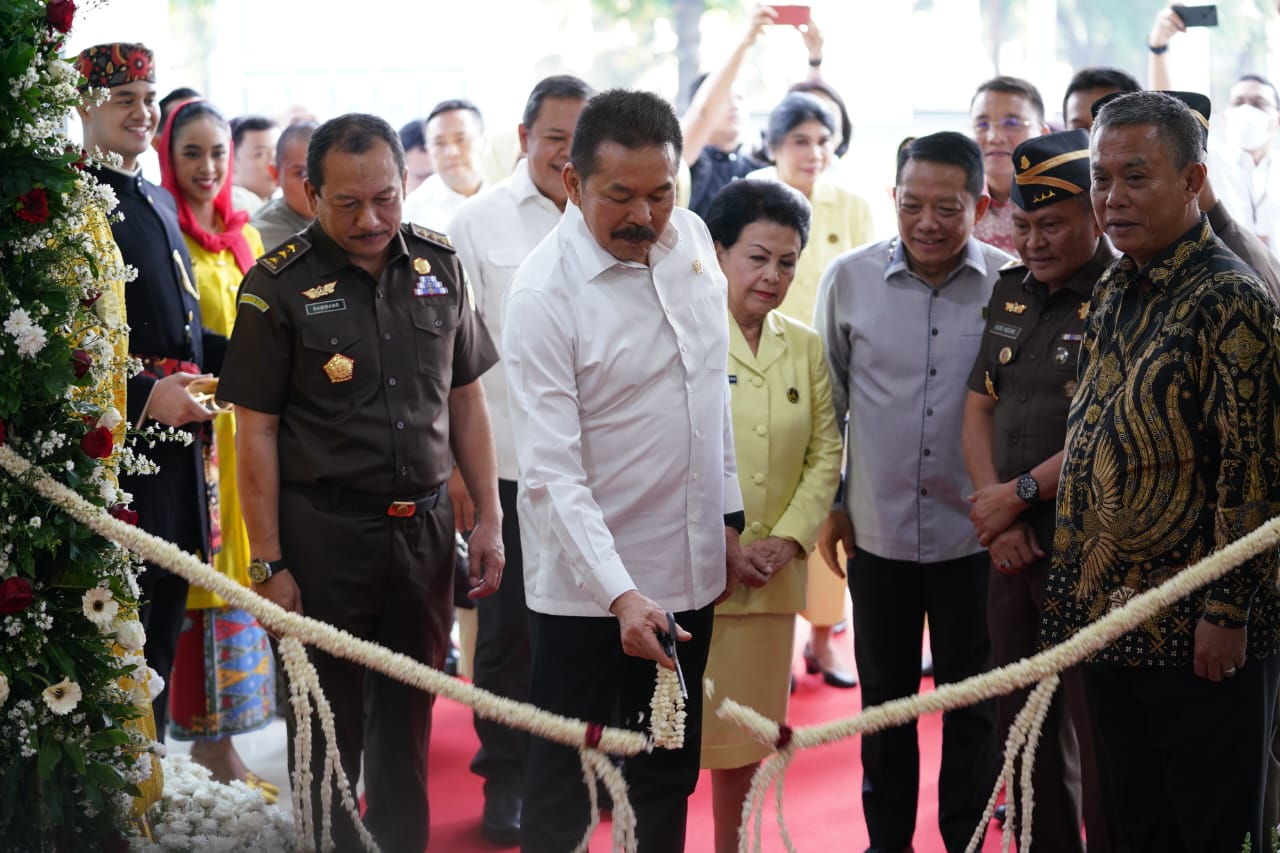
pixel 901 321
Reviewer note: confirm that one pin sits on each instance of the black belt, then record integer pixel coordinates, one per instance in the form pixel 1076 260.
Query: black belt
pixel 337 499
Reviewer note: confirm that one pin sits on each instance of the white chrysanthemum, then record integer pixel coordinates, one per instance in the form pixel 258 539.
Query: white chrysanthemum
pixel 155 682
pixel 4 688
pixel 100 607
pixel 28 335
pixel 131 636
pixel 62 697
pixel 110 418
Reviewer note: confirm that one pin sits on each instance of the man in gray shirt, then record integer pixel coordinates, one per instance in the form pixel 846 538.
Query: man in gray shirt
pixel 901 321
pixel 290 212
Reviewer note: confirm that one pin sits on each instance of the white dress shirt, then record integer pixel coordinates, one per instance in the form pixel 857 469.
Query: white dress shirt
pixel 620 402
pixel 494 232
pixel 433 204
pixel 900 351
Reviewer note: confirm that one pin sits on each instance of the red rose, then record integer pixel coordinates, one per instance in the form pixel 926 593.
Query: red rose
pixel 123 513
pixel 59 15
pixel 15 595
pixel 97 443
pixel 81 362
pixel 35 206
pixel 87 303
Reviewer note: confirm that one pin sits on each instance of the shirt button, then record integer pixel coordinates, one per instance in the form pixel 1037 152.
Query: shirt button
pixel 683 349
pixel 758 479
pixel 697 433
pixel 924 491
pixel 933 371
pixel 439 323
pixel 928 452
pixel 386 336
pixel 694 518
pixel 929 412
pixel 392 382
pixel 1032 356
pixel 762 430
pixel 933 332
pixel 379 292
pixel 757 381
pixel 695 475
pixel 404 470
pixel 399 424
pixel 333 342
pixel 1013 439
pixel 756 527
pixel 1022 398
pixel 1046 315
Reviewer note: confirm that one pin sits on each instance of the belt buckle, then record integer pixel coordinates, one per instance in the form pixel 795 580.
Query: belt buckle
pixel 402 509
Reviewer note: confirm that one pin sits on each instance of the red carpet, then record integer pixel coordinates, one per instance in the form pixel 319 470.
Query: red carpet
pixel 822 791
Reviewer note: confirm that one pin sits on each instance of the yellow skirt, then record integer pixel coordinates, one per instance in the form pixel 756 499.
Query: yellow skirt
pixel 824 597
pixel 749 662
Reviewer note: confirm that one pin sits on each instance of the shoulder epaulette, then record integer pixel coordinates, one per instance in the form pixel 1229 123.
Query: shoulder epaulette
pixel 275 261
pixel 433 237
pixel 1013 264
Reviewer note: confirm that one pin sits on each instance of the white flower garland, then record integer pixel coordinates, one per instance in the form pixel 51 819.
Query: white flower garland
pixel 591 740
pixel 666 710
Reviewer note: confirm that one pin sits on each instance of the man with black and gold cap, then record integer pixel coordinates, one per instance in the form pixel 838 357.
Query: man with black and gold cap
pixel 165 333
pixel 1015 423
pixel 355 372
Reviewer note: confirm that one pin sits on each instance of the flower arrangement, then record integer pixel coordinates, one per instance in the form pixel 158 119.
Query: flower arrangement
pixel 199 814
pixel 72 755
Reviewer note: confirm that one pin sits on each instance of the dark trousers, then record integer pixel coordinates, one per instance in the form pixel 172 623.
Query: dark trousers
pixel 891 599
pixel 502 659
pixel 1065 775
pixel 580 670
pixel 390 581
pixel 164 605
pixel 1187 758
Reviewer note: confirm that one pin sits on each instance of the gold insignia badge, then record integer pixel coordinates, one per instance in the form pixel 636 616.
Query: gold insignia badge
pixel 421 266
pixel 1084 309
pixel 1006 355
pixel 1045 196
pixel 1069 388
pixel 320 290
pixel 991 387
pixel 833 238
pixel 340 368
pixel 697 267
pixel 1015 307
pixel 1025 163
pixel 793 395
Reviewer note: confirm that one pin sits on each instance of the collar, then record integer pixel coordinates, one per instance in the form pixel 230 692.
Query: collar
pixel 1084 279
pixel 525 190
pixel 824 190
pixel 973 258
pixel 594 258
pixel 1166 266
pixel 333 257
pixel 771 347
pixel 119 179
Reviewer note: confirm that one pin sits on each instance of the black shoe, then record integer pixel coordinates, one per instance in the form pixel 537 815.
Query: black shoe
pixel 833 677
pixel 1001 814
pixel 451 660
pixel 501 821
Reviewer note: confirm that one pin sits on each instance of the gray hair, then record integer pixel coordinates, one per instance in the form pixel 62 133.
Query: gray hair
pixel 1175 124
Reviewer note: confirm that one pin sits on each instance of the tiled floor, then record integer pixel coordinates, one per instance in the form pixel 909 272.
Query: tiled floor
pixel 264 751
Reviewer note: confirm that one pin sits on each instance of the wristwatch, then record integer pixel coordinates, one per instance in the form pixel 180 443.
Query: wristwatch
pixel 1027 488
pixel 261 570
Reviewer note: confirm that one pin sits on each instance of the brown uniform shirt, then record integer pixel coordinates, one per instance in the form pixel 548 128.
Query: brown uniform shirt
pixel 1029 353
pixel 358 370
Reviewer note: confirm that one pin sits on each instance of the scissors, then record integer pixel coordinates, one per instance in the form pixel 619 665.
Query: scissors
pixel 668 640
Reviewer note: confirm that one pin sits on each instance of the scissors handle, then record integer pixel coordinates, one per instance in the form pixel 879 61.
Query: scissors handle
pixel 669 645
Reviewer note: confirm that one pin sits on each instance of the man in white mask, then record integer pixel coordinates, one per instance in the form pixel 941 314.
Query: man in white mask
pixel 1252 122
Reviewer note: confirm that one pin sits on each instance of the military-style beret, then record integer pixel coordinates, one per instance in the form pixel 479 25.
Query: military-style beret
pixel 108 65
pixel 1050 168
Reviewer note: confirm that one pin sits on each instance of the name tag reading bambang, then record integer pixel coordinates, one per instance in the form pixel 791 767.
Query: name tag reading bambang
pixel 326 307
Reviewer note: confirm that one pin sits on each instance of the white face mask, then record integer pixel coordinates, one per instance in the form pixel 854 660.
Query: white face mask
pixel 1248 128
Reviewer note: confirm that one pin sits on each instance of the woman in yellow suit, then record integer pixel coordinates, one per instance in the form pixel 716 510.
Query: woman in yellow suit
pixel 788 454
pixel 222 682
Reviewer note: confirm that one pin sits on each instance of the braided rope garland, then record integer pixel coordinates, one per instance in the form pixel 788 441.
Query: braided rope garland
pixel 591 739
pixel 1042 668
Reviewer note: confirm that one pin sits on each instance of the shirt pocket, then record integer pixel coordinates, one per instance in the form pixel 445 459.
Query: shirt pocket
pixel 1064 353
pixel 334 361
pixel 710 318
pixel 434 326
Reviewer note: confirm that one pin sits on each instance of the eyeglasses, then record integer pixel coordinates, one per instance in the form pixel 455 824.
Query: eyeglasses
pixel 1008 123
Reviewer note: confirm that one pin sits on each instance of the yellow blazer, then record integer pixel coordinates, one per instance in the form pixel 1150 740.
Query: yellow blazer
pixel 787 448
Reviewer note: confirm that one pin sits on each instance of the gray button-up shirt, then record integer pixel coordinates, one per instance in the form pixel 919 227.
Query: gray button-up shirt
pixel 900 351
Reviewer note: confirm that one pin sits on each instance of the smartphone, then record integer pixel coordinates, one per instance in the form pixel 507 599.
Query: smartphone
pixel 791 15
pixel 1197 16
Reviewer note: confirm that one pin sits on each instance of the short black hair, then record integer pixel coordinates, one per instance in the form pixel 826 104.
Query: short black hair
pixel 846 126
pixel 558 86
pixel 1258 78
pixel 352 133
pixel 791 112
pixel 187 112
pixel 177 96
pixel 240 125
pixel 946 148
pixel 450 106
pixel 1099 78
pixel 631 118
pixel 413 134
pixel 739 203
pixel 1175 124
pixel 299 131
pixel 1012 86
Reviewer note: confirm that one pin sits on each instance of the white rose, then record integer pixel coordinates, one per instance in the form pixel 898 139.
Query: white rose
pixel 131 636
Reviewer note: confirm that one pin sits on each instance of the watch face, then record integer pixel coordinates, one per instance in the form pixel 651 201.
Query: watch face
pixel 1028 489
pixel 258 571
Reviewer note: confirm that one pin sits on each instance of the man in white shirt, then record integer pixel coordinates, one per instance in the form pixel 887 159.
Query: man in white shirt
pixel 454 135
pixel 493 232
pixel 616 345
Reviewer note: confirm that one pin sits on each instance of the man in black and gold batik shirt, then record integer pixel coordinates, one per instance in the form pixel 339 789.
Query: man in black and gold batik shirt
pixel 1171 453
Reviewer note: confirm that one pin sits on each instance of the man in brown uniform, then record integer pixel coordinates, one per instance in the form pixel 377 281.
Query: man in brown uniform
pixel 355 370
pixel 1015 425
